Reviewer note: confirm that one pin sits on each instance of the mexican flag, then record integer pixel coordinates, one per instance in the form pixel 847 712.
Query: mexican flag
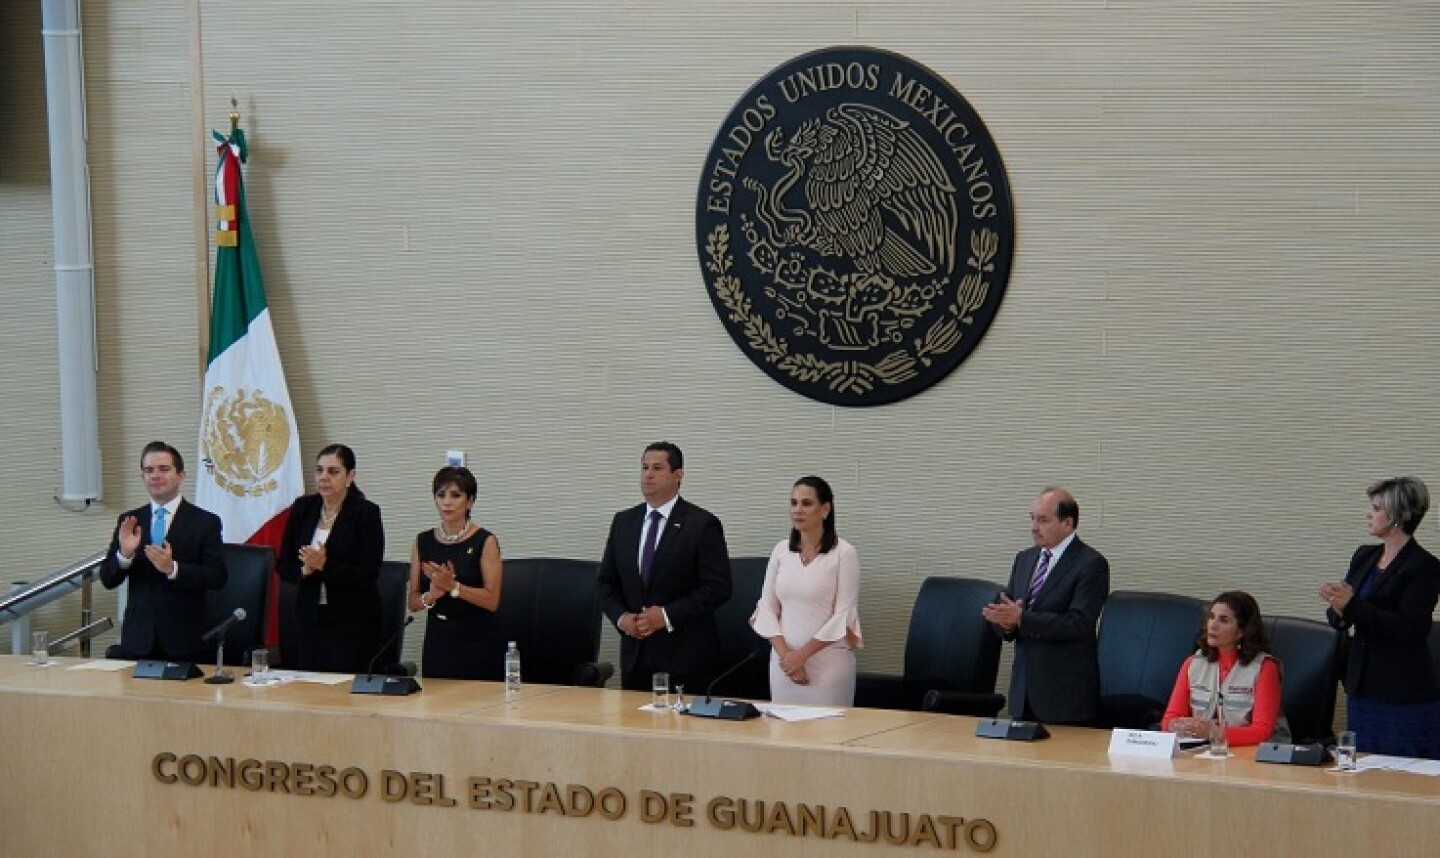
pixel 249 445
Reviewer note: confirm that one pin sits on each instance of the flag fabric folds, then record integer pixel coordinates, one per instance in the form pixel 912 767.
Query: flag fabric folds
pixel 249 443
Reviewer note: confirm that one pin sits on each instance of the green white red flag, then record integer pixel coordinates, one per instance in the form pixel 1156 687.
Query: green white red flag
pixel 249 442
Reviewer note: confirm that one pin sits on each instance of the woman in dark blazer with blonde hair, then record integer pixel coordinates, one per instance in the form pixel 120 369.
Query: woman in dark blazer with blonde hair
pixel 1385 604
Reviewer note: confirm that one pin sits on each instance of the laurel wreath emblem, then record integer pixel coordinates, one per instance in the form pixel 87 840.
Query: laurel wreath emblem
pixel 854 376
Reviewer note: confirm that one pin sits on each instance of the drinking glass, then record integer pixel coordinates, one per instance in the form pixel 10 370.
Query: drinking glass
pixel 260 666
pixel 660 691
pixel 1219 742
pixel 1345 751
pixel 40 648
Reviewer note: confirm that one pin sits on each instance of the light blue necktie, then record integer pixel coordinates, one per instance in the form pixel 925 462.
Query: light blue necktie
pixel 157 530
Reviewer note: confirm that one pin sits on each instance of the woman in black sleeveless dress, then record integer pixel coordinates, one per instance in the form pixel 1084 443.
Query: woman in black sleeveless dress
pixel 455 574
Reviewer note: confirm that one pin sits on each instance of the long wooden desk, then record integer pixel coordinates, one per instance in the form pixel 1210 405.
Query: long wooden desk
pixel 100 762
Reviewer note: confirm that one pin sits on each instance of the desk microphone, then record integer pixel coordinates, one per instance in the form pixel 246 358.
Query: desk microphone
pixel 730 710
pixel 235 617
pixel 369 683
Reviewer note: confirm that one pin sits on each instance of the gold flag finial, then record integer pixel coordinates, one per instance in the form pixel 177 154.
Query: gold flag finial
pixel 234 113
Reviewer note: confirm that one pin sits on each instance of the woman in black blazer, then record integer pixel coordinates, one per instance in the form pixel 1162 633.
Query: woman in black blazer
pixel 332 550
pixel 1385 603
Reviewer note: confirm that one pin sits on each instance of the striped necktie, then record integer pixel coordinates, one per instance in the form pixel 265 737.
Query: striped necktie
pixel 1041 573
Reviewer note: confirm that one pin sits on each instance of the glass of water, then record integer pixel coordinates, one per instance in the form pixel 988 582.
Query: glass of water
pixel 1219 741
pixel 260 666
pixel 1345 751
pixel 660 691
pixel 40 648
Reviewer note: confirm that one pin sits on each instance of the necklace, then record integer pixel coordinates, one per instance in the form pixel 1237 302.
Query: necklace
pixel 447 537
pixel 327 517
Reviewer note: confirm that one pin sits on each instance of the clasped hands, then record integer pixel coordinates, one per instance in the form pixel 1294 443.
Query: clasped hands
pixel 643 623
pixel 312 559
pixel 1004 612
pixel 160 556
pixel 1337 595
pixel 442 578
pixel 792 664
pixel 1192 728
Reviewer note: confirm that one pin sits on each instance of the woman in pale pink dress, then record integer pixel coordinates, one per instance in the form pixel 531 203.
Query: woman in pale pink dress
pixel 808 606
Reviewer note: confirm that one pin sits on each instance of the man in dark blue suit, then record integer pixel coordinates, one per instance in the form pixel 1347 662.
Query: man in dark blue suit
pixel 664 573
pixel 171 551
pixel 1050 610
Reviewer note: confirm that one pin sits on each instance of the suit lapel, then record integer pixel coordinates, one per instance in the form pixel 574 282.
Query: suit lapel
pixel 1060 571
pixel 669 536
pixel 178 522
pixel 1028 559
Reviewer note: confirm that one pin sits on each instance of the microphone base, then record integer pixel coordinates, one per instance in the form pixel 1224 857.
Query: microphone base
pixel 154 668
pixel 375 683
pixel 1292 755
pixel 718 707
pixel 221 676
pixel 1015 731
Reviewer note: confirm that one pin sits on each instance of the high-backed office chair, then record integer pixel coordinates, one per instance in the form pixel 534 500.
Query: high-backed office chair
pixel 1143 640
pixel 949 649
pixel 247 581
pixel 551 609
pixel 247 577
pixel 393 585
pixel 1434 649
pixel 1308 651
pixel 287 623
pixel 737 639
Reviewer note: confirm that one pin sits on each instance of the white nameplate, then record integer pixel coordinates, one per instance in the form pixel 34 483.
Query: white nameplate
pixel 1143 743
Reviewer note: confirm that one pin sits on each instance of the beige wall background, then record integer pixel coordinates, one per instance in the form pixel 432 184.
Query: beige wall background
pixel 476 224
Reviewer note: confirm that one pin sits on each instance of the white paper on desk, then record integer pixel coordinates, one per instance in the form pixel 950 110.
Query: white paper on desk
pixel 110 664
pixel 1412 765
pixel 308 676
pixel 799 713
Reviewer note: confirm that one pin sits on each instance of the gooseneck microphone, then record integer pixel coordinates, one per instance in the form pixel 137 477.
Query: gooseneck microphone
pixel 237 616
pixel 397 686
pixel 370 669
pixel 730 710
pixel 749 657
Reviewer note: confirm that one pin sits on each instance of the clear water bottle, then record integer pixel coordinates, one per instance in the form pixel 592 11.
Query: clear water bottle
pixel 512 672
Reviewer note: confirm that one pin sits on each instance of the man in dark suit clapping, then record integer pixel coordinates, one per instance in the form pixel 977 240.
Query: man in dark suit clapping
pixel 171 552
pixel 664 573
pixel 1050 610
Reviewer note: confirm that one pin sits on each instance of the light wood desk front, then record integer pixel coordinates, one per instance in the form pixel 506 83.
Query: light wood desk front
pixel 81 750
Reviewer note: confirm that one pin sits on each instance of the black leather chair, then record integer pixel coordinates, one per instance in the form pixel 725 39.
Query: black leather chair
pixel 950 649
pixel 247 585
pixel 551 609
pixel 1309 652
pixel 1434 650
pixel 1143 640
pixel 751 681
pixel 247 579
pixel 393 586
pixel 288 625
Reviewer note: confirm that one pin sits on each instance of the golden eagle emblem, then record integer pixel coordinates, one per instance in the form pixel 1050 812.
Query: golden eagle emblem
pixel 244 441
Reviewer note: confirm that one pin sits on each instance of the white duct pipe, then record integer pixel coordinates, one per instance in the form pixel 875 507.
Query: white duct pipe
pixel 74 259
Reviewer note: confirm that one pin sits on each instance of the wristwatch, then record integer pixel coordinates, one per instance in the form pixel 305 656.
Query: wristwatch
pixel 455 592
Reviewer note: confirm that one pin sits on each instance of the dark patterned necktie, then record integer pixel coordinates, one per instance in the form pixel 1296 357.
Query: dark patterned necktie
pixel 647 554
